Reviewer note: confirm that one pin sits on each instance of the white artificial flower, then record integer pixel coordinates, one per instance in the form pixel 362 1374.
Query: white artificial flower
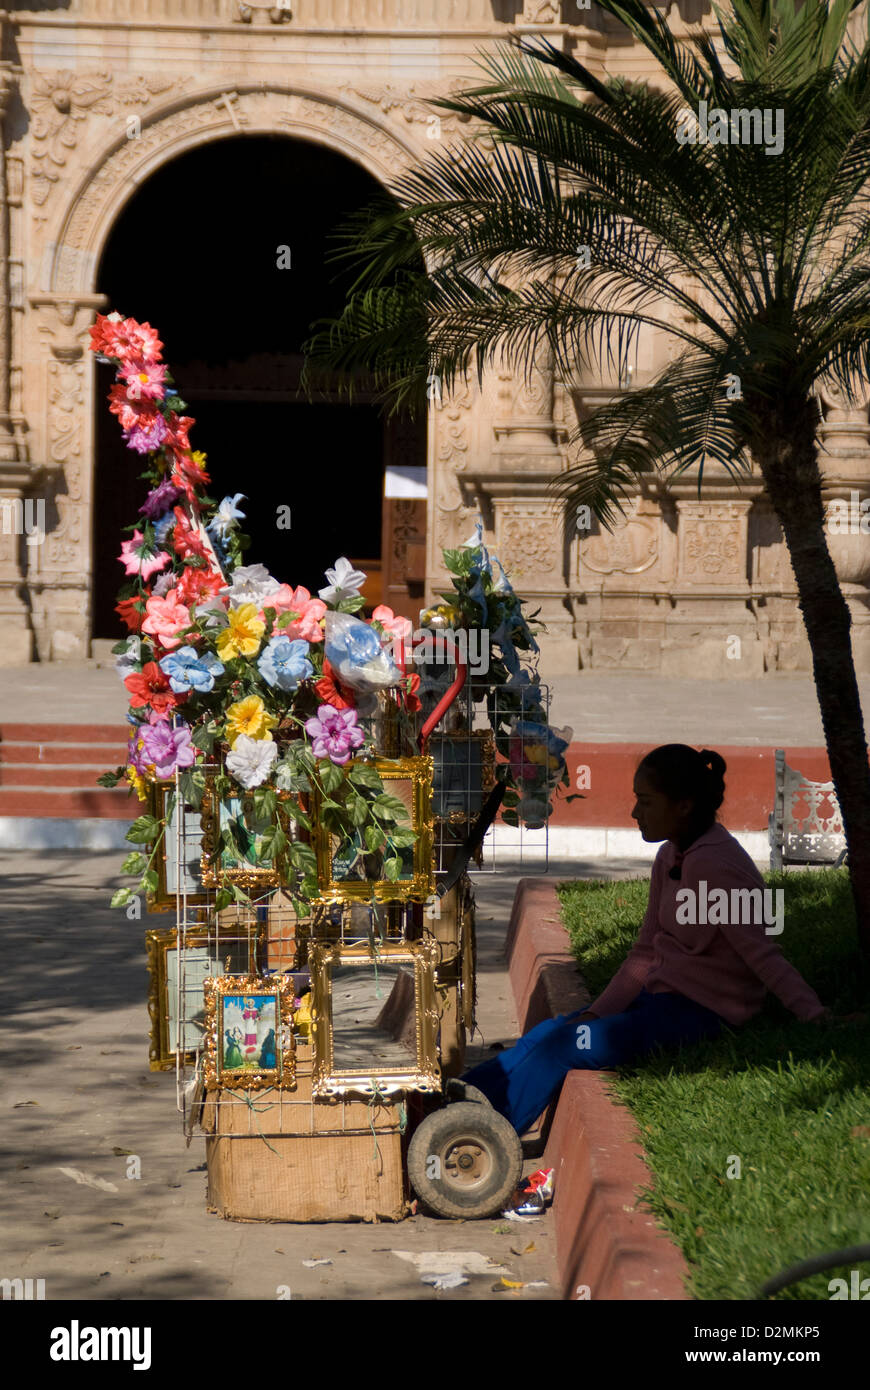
pixel 251 584
pixel 250 760
pixel 216 610
pixel 128 661
pixel 163 583
pixel 344 582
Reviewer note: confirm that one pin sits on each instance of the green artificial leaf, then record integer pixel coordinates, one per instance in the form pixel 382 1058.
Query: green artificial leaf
pixel 203 737
pixel 331 777
pixel 148 883
pixel 388 807
pixel 363 775
pixel 351 605
pixel 111 779
pixel 402 839
pixel 143 830
pixel 374 838
pixel 273 843
pixel 510 817
pixel 392 867
pixel 223 898
pixel 135 863
pixel 299 816
pixel 122 897
pixel 302 857
pixel 359 809
pixel 265 802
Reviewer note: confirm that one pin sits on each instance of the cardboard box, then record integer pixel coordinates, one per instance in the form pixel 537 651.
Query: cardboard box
pixel 287 1157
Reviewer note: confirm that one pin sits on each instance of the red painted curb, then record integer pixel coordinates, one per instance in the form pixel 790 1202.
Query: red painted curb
pixel 603 1243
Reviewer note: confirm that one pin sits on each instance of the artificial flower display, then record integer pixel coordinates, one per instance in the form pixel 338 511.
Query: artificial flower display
pixel 228 664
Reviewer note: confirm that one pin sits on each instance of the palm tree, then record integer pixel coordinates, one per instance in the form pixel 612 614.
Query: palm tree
pixel 752 259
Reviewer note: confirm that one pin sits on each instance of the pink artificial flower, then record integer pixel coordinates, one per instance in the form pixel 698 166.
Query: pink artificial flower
pixel 334 733
pixel 144 380
pixel 114 336
pixel 288 600
pixel 166 618
pixel 135 562
pixel 391 622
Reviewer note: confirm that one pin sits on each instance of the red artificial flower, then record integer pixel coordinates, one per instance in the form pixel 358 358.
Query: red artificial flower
pixel 131 612
pixel 331 690
pixel 151 687
pixel 198 585
pixel 178 426
pixel 114 336
pixel 411 699
pixel 185 541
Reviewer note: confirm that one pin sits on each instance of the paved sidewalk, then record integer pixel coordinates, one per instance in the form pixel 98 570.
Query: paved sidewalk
pixel 600 707
pixel 75 987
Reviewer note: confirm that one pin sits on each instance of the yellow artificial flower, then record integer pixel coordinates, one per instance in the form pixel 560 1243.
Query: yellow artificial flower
pixel 199 459
pixel 249 717
pixel 137 781
pixel 244 634
pixel 535 753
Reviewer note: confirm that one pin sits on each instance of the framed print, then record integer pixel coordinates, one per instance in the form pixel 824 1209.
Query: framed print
pixel 347 872
pixel 242 863
pixel 464 773
pixel 204 955
pixel 249 1032
pixel 178 861
pixel 374 1018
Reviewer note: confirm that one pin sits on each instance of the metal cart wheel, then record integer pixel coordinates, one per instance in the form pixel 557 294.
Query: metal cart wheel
pixel 465 1160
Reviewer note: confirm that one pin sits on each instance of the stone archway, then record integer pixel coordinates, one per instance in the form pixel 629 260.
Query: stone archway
pixel 59 576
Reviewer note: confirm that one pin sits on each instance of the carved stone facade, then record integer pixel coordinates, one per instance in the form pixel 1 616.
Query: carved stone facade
pixel 97 95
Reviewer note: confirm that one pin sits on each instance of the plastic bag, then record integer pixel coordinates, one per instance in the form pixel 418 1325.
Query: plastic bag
pixel 354 651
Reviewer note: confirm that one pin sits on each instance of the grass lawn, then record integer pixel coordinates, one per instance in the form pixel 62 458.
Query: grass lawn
pixel 790 1100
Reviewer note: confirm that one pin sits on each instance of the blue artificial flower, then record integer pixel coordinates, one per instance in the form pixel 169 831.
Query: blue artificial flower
pixel 188 670
pixel 284 662
pixel 162 526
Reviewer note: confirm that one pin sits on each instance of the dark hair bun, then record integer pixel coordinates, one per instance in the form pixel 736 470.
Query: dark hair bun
pixel 683 773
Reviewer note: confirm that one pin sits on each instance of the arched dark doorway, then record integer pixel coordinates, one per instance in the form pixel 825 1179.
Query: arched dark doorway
pixel 196 253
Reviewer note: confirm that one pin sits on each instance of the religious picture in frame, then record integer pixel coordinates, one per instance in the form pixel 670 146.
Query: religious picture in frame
pixel 178 976
pixel 233 839
pixel 375 1018
pixel 178 860
pixel 398 871
pixel 249 1032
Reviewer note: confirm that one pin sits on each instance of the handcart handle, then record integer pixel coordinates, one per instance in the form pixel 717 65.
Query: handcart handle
pixel 447 699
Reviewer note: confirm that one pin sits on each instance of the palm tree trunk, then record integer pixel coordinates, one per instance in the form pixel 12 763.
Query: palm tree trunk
pixel 828 622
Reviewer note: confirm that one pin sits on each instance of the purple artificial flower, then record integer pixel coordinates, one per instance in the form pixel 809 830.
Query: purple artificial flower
pixel 159 500
pixel 166 748
pixel 144 439
pixel 334 733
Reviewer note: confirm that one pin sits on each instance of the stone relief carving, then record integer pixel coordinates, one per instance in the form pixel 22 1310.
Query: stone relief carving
pixel 527 545
pixel 630 548
pixel 62 100
pixel 411 101
pixel 713 541
pixel 270 110
pixel 65 398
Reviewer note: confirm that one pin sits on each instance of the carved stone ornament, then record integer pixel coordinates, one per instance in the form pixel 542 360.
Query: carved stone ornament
pixel 630 548
pixel 712 541
pixel 60 101
pixel 528 542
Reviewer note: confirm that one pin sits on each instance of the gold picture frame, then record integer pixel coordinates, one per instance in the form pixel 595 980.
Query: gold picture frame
pixel 165 897
pixel 411 779
pixel 251 877
pixel 238 1010
pixel 207 954
pixel 393 1031
pixel 472 795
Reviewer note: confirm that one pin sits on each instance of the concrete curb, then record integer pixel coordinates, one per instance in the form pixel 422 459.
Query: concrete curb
pixel 605 1247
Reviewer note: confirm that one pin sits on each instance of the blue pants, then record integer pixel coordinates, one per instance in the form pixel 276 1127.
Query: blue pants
pixel 521 1081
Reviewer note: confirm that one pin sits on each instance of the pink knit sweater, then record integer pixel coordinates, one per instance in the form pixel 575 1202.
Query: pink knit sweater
pixel 727 967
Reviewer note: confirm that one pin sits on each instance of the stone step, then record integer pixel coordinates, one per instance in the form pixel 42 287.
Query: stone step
pixel 78 804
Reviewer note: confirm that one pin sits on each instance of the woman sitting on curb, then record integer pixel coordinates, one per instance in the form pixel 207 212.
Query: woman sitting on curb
pixel 685 977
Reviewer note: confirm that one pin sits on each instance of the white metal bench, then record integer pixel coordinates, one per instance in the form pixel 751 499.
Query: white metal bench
pixel 805 826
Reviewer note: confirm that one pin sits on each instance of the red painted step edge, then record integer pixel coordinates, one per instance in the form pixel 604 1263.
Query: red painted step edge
pixel 603 1243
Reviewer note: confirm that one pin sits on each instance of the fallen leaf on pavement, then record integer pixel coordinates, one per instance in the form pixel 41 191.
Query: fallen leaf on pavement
pixel 312 1264
pixel 87 1180
pixel 19 1104
pixel 507 1284
pixel 119 1153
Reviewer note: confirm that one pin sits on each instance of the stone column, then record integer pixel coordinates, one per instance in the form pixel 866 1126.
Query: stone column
pixel 511 488
pixel 17 475
pixel 844 461
pixel 60 583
